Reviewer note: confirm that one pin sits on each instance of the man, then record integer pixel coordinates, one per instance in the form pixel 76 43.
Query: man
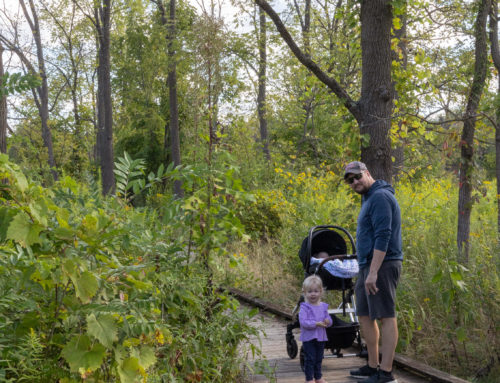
pixel 380 257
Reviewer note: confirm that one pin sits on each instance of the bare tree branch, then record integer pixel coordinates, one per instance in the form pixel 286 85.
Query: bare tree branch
pixel 330 82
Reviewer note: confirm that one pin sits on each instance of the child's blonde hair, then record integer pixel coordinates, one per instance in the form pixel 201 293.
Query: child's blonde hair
pixel 310 281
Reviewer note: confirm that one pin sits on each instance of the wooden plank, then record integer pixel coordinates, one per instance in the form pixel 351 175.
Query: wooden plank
pixel 256 302
pixel 421 368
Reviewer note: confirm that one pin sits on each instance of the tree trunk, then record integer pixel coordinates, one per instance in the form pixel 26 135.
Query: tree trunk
pixel 495 54
pixel 105 106
pixel 175 146
pixel 497 159
pixel 166 135
pixel 467 142
pixel 376 88
pixel 261 97
pixel 373 111
pixel 172 137
pixel 43 89
pixel 3 109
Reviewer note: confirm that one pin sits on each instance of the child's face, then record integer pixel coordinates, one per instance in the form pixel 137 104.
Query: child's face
pixel 313 294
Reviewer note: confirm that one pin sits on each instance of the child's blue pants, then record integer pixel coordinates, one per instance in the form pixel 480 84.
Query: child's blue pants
pixel 313 357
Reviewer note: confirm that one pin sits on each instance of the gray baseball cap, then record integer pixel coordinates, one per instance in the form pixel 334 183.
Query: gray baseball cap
pixel 355 167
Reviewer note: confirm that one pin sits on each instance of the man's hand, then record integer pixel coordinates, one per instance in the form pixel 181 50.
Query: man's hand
pixel 371 283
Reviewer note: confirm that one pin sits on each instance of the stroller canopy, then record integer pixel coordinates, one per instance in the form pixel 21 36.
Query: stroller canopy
pixel 322 240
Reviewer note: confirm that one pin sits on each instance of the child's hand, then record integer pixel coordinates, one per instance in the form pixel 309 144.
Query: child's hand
pixel 326 321
pixel 320 324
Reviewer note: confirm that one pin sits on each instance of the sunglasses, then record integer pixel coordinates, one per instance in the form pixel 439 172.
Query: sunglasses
pixel 350 180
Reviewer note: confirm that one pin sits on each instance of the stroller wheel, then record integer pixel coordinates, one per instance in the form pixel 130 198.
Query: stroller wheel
pixel 292 348
pixel 302 358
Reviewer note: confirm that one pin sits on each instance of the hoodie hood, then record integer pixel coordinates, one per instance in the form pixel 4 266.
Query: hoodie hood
pixel 379 185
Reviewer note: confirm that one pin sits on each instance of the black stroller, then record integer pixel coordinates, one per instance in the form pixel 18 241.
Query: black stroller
pixel 342 333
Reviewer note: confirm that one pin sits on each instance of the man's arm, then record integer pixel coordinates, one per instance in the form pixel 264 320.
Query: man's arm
pixel 371 279
pixel 381 220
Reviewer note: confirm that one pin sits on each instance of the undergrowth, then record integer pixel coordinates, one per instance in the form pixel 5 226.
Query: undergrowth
pixel 94 290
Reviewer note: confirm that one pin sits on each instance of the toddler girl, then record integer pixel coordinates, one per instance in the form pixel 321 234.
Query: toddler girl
pixel 314 319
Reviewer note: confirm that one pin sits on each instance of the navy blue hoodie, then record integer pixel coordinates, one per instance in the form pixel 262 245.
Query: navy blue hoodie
pixel 379 224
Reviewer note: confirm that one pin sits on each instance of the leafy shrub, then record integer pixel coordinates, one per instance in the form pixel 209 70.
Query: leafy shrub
pixel 260 218
pixel 92 289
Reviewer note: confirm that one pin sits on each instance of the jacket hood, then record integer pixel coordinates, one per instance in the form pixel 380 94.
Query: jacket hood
pixel 380 184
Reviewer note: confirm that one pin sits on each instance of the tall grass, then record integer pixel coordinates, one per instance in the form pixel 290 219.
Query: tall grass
pixel 448 312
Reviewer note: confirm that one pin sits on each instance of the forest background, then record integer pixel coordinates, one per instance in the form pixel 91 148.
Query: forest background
pixel 156 152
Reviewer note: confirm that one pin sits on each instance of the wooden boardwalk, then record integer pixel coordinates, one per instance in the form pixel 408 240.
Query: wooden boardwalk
pixel 286 370
pixel 272 322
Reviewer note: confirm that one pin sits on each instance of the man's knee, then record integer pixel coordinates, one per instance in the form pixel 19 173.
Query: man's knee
pixel 389 327
pixel 389 322
pixel 366 321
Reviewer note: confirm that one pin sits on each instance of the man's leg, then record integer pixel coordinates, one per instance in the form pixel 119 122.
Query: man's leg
pixel 370 331
pixel 389 342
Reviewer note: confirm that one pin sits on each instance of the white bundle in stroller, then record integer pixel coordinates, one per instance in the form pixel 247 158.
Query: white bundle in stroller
pixel 347 268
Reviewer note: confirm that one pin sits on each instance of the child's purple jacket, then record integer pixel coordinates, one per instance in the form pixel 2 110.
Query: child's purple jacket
pixel 308 316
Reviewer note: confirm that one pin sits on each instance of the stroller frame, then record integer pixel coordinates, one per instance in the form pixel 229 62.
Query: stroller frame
pixel 341 334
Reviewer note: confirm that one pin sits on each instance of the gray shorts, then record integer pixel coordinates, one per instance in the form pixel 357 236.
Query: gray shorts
pixel 383 303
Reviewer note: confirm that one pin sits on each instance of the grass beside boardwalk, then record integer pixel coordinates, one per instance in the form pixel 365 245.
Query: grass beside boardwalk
pixel 448 312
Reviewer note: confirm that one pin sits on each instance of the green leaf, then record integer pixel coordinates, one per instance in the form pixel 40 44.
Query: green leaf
pixel 34 234
pixel 129 370
pixel 188 297
pixel 94 357
pixel 139 284
pixel 6 216
pixel 66 233
pixel 136 188
pixel 80 353
pixel 69 267
pixel 119 172
pixel 103 329
pixel 456 276
pixel 437 277
pixel 75 350
pixel 39 211
pixel 22 182
pixel 86 286
pixel 145 355
pixel 89 222
pixel 396 23
pixel 63 217
pixel 19 228
pixel 159 173
pixel 233 262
